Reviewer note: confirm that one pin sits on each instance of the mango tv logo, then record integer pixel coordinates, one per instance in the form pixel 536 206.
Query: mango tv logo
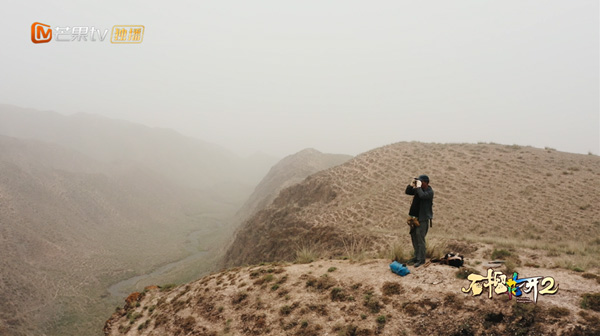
pixel 41 33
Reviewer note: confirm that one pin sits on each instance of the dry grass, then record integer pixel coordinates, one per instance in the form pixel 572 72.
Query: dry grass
pixel 359 208
pixel 356 298
pixel 306 254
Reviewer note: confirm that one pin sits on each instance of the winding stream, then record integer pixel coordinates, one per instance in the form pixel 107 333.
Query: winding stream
pixel 123 288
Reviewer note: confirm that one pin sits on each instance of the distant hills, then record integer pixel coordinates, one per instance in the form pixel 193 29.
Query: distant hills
pixel 86 201
pixel 186 161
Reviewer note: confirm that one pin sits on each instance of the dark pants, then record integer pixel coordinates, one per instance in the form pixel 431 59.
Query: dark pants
pixel 418 240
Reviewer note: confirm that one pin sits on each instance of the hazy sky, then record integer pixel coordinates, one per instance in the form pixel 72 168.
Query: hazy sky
pixel 339 76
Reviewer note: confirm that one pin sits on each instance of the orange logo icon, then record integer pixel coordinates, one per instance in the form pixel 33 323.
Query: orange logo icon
pixel 40 33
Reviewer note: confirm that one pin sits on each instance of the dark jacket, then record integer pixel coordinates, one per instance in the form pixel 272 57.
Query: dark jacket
pixel 423 199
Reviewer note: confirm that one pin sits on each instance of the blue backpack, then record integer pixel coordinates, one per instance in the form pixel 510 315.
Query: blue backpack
pixel 399 268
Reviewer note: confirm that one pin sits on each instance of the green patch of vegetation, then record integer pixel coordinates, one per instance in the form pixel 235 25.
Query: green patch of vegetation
pixel 132 316
pixel 558 312
pixel 372 302
pixel 167 287
pixel 275 287
pixel 338 294
pixel 591 301
pixel 381 319
pixel 265 279
pixel 331 269
pixel 501 254
pixel 285 310
pixel 144 325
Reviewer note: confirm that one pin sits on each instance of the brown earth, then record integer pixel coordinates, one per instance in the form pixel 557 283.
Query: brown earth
pixel 343 297
pixel 507 195
pixel 534 209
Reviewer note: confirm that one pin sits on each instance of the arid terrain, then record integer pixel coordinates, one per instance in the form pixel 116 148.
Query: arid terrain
pixel 507 195
pixel 87 202
pixel 352 297
pixel 315 261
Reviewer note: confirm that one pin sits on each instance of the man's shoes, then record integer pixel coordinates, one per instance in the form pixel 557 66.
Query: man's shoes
pixel 411 261
pixel 419 263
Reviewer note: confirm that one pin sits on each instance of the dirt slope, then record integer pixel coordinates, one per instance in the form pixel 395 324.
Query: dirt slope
pixel 341 297
pixel 514 195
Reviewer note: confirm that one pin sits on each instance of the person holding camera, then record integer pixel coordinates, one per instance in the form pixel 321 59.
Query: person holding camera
pixel 421 213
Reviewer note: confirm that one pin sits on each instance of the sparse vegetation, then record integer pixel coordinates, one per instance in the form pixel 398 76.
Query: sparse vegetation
pixel 323 292
pixel 392 288
pixel 371 301
pixel 501 254
pixel 321 283
pixel 558 312
pixel 239 297
pixel 591 301
pixel 464 272
pixel 338 294
pixel 167 287
pixel 306 255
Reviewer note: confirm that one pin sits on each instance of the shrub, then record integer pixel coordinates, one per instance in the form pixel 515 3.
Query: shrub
pixel 187 324
pixel 167 287
pixel 331 269
pixel 306 255
pixel 337 294
pixel 372 302
pixel 558 312
pixel 501 254
pixel 239 297
pixel 144 325
pixel 391 288
pixel 395 252
pixel 286 310
pixel 381 319
pixel 435 250
pixel 324 282
pixel 591 301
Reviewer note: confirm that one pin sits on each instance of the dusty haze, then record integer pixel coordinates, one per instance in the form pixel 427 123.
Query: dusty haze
pixel 340 76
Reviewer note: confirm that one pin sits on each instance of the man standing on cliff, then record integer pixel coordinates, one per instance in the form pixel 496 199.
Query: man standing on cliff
pixel 421 208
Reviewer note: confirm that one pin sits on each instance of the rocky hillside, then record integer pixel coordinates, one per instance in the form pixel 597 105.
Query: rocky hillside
pixel 520 196
pixel 342 297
